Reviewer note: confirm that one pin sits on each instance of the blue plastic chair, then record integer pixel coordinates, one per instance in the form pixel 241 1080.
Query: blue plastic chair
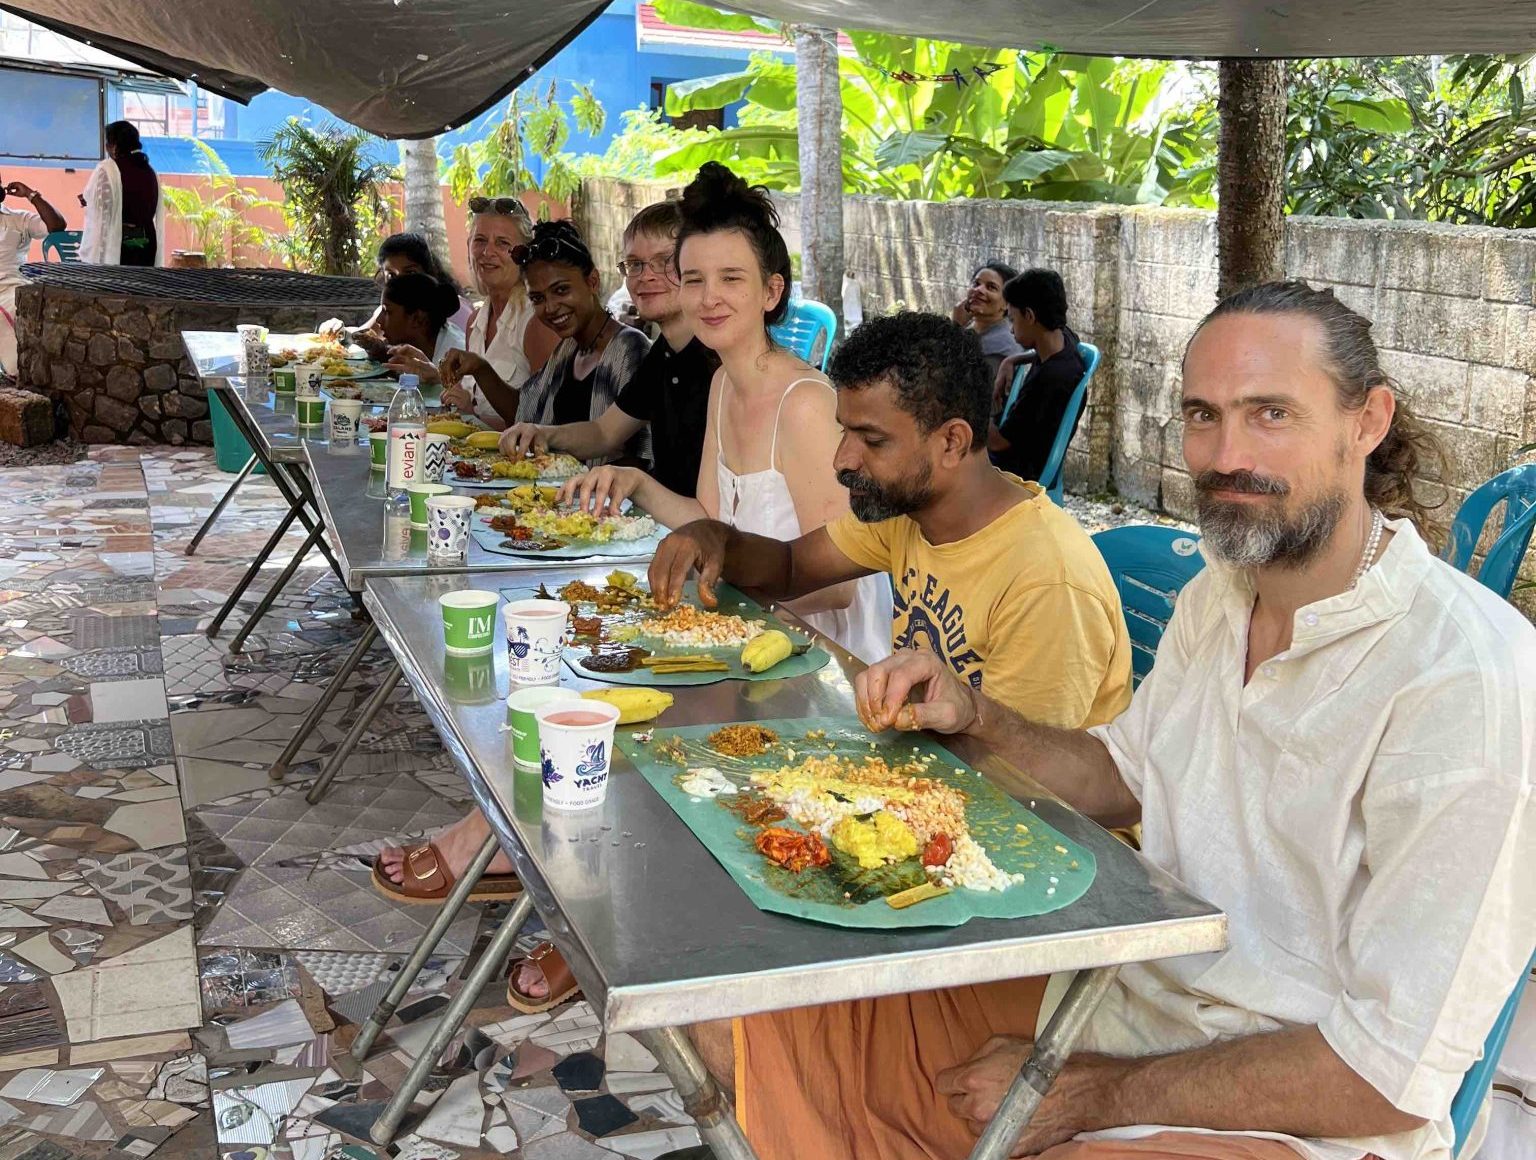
pixel 805 324
pixel 62 245
pixel 1150 565
pixel 1479 1078
pixel 1051 473
pixel 1516 489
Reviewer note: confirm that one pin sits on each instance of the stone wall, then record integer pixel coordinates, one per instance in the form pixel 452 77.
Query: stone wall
pixel 116 366
pixel 1453 310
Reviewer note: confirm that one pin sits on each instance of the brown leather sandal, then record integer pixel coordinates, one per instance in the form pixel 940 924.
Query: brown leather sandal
pixel 427 880
pixel 546 957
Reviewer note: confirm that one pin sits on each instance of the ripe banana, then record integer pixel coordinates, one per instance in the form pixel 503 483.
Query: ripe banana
pixel 634 704
pixel 455 428
pixel 763 652
pixel 484 440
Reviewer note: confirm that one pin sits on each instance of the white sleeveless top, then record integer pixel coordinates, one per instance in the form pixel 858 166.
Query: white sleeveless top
pixel 759 502
pixel 505 352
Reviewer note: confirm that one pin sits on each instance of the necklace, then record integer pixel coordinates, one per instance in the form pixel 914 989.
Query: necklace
pixel 596 338
pixel 1372 542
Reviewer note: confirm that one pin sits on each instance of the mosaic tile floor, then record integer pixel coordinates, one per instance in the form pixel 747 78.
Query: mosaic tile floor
pixel 186 946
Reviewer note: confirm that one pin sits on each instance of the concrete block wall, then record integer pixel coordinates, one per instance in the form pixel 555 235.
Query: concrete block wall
pixel 1453 307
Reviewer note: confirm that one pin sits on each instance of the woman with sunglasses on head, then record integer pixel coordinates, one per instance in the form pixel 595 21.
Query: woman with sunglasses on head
pixel 505 344
pixel 597 356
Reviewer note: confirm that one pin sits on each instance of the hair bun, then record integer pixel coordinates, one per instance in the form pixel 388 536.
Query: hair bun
pixel 717 196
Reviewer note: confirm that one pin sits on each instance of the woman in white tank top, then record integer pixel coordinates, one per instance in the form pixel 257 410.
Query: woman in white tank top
pixel 772 418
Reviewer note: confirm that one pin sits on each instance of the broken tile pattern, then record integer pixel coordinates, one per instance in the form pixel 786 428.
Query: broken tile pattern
pixel 152 874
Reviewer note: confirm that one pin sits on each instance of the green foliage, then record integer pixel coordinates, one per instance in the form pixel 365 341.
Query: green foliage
pixel 335 203
pixel 1044 125
pixel 218 216
pixel 632 152
pixel 1449 139
pixel 533 129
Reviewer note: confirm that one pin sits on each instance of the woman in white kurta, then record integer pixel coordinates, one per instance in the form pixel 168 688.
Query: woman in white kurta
pixel 124 211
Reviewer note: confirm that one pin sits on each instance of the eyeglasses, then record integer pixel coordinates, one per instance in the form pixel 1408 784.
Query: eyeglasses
pixel 509 206
pixel 661 266
pixel 548 249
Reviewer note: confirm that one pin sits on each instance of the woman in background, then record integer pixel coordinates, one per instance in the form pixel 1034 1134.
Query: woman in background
pixel 984 311
pixel 414 320
pixel 124 213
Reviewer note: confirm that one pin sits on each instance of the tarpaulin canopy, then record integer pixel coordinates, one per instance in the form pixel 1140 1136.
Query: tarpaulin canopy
pixel 413 68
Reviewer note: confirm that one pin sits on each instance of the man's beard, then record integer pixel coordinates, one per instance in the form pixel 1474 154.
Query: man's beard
pixel 1252 536
pixel 871 502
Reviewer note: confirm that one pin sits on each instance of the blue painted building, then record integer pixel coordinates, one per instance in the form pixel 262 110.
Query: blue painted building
pixel 67 91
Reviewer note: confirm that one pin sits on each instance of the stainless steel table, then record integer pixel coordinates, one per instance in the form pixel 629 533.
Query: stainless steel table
pixel 660 937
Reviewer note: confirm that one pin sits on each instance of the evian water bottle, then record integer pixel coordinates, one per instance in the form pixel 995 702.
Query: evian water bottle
pixel 407 438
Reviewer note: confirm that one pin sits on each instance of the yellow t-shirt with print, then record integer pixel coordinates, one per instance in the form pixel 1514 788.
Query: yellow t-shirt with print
pixel 1024 609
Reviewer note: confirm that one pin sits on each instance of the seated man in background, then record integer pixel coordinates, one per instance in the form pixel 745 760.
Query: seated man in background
pixel 669 391
pixel 1022 438
pixel 1334 747
pixel 19 228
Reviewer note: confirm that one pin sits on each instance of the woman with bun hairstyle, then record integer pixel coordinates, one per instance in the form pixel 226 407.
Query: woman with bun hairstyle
pixel 772 427
pixel 124 212
pixel 597 355
pixel 414 318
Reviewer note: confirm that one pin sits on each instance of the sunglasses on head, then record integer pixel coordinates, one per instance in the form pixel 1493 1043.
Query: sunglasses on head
pixel 548 250
pixel 509 206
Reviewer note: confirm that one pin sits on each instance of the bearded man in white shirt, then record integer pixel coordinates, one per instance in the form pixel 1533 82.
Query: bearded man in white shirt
pixel 1335 746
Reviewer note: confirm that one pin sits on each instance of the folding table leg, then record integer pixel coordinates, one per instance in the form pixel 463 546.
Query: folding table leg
pixel 1040 1070
pixel 702 1097
pixel 491 962
pixel 218 508
pixel 354 735
pixel 318 709
pixel 253 571
pixel 449 911
pixel 264 605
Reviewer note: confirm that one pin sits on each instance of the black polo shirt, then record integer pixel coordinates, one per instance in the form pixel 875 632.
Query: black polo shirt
pixel 1031 426
pixel 670 391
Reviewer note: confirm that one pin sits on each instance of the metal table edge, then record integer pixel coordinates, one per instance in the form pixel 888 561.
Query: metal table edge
pixel 637 1008
pixel 634 1008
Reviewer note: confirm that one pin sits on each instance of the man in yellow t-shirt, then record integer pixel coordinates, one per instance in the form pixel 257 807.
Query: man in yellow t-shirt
pixel 987 572
pixel 1012 593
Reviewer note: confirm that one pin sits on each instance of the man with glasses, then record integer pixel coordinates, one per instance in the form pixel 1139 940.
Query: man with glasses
pixel 670 390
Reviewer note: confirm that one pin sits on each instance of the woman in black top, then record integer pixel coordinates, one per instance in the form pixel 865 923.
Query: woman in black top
pixel 597 356
pixel 1022 437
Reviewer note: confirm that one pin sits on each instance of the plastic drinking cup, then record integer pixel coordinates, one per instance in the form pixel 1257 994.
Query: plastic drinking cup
pixel 434 459
pixel 471 680
pixel 306 380
pixel 575 752
pixel 448 519
pixel 535 639
pixel 420 493
pixel 525 727
pixel 311 411
pixel 469 621
pixel 346 418
pixel 378 448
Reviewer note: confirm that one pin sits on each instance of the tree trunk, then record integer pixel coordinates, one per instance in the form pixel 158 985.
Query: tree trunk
pixel 1250 215
pixel 424 196
pixel 819 98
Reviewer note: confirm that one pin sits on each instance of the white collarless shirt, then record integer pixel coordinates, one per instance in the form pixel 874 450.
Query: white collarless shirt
pixel 504 353
pixel 1362 811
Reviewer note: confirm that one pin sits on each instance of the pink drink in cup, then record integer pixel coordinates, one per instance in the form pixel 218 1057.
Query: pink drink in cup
pixel 575 753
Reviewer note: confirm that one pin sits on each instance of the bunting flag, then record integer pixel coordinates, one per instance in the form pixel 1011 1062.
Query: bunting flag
pixel 958 77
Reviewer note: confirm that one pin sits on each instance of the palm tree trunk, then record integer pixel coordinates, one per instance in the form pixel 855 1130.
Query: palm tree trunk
pixel 819 98
pixel 424 196
pixel 1250 214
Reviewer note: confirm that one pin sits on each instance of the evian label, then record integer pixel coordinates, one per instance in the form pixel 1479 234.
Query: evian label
pixel 405 448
